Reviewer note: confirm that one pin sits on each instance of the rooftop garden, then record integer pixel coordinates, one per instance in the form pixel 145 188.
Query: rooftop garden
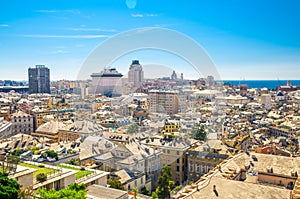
pixel 81 172
pixel 40 169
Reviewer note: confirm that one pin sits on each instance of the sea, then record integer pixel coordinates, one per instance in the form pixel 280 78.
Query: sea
pixel 270 84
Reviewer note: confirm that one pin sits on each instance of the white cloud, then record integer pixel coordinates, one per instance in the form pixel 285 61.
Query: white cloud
pixel 144 15
pixel 151 15
pixel 137 15
pixel 4 25
pixel 60 52
pixel 68 36
pixel 73 11
pixel 92 29
pixel 57 11
pixel 164 25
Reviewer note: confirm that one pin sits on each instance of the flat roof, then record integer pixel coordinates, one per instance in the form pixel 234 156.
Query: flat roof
pixel 65 173
pixel 98 191
pixel 281 165
pixel 21 171
pixel 250 188
pixel 92 177
pixel 228 189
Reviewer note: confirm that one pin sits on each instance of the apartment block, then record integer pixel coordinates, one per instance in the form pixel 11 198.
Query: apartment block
pixel 162 101
pixel 21 123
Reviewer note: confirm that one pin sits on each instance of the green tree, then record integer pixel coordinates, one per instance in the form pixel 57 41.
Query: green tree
pixel 133 128
pixel 73 191
pixel 12 159
pixel 145 191
pixel 198 132
pixel 73 162
pixel 154 195
pixel 35 150
pixel 16 152
pixel 8 187
pixel 51 154
pixel 116 184
pixel 135 191
pixel 41 177
pixel 165 183
pixel 176 189
pixel 77 187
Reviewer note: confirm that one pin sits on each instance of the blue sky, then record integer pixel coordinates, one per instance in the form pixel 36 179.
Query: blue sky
pixel 245 39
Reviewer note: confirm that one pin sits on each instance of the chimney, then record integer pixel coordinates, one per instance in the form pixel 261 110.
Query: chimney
pixel 270 169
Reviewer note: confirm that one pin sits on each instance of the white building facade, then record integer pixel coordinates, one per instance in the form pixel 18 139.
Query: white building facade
pixel 21 123
pixel 107 83
pixel 135 74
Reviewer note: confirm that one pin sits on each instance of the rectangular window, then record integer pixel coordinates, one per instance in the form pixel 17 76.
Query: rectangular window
pixel 177 168
pixel 198 168
pixel 191 167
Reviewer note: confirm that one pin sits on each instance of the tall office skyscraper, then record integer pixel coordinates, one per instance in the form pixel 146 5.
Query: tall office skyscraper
pixel 39 79
pixel 135 74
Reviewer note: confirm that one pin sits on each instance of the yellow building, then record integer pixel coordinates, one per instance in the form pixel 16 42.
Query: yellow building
pixel 174 154
pixel 171 126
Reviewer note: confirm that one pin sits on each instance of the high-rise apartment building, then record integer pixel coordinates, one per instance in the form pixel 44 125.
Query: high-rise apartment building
pixel 210 80
pixel 39 79
pixel 163 101
pixel 265 100
pixel 107 83
pixel 135 74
